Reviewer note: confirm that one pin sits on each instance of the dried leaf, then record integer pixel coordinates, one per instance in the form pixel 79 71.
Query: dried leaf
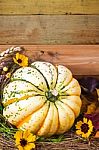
pixel 97 109
pixel 85 104
pixel 96 135
pixel 89 83
pixel 97 93
pixel 91 108
pixel 88 88
pixel 95 119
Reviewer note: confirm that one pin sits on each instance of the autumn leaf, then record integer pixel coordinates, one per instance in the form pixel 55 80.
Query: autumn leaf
pixel 91 108
pixel 88 88
pixel 89 94
pixel 89 83
pixel 97 93
pixel 96 135
pixel 94 118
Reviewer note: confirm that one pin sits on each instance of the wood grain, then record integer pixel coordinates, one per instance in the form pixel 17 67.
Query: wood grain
pixel 49 29
pixel 49 7
pixel 81 59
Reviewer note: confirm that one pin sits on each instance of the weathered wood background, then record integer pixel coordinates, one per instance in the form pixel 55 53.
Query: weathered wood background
pixel 54 22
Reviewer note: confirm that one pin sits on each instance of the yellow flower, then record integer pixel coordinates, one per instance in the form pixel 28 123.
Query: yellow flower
pixel 21 60
pixel 5 69
pixel 24 140
pixel 84 128
pixel 8 75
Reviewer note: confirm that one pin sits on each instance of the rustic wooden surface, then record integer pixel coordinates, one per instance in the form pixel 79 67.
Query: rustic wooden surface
pixel 49 29
pixel 49 7
pixel 49 22
pixel 81 59
pixel 57 22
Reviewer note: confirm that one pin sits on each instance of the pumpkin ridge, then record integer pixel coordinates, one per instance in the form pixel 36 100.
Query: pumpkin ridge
pixel 58 118
pixel 57 75
pixel 72 108
pixel 13 100
pixel 64 87
pixel 67 83
pixel 60 131
pixel 72 117
pixel 42 75
pixel 77 102
pixel 66 72
pixel 45 116
pixel 68 106
pixel 49 71
pixel 44 119
pixel 27 118
pixel 27 82
pixel 52 121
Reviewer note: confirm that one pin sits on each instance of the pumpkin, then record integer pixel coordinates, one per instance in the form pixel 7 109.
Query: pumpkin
pixel 42 98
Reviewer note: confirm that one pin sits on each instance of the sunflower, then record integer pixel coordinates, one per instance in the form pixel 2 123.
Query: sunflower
pixel 24 140
pixel 21 60
pixel 84 128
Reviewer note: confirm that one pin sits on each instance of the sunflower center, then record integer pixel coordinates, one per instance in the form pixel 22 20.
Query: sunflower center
pixel 84 128
pixel 19 61
pixel 23 142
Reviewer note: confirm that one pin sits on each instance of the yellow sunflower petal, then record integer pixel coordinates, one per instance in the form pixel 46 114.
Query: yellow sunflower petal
pixel 90 129
pixel 90 123
pixel 25 62
pixel 15 61
pixel 26 134
pixel 20 147
pixel 78 132
pixel 89 132
pixel 34 138
pixel 21 64
pixel 17 55
pixel 85 120
pixel 29 146
pixel 21 57
pixel 84 135
pixel 31 138
pixel 18 134
pixel 78 125
pixel 17 141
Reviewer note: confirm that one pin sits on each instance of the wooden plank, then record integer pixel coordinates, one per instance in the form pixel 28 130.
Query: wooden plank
pixel 49 29
pixel 49 7
pixel 81 59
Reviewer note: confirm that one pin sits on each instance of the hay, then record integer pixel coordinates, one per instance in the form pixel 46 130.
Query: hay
pixel 71 142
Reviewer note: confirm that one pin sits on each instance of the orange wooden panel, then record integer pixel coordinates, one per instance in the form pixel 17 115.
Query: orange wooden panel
pixel 81 59
pixel 49 7
pixel 49 29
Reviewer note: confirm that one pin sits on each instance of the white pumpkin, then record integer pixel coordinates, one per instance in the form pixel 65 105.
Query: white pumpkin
pixel 43 98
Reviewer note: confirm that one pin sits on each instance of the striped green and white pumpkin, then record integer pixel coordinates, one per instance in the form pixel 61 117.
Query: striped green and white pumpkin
pixel 43 98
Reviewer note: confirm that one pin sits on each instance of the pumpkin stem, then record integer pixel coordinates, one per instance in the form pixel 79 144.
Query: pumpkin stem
pixel 52 95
